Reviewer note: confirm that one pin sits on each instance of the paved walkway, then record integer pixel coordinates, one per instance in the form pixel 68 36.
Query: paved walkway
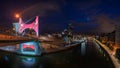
pixel 111 54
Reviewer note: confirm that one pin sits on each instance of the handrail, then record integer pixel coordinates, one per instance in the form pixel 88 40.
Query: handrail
pixel 110 53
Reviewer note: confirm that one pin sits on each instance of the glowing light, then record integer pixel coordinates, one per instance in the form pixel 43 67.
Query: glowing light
pixel 21 24
pixel 28 60
pixel 36 23
pixel 28 46
pixel 17 15
pixel 32 25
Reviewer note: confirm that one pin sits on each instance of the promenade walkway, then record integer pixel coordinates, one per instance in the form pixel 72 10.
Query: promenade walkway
pixel 11 38
pixel 111 54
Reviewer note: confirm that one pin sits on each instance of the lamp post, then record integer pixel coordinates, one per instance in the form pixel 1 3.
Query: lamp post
pixel 16 25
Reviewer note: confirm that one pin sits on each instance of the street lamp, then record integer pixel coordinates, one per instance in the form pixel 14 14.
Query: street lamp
pixel 17 15
pixel 16 25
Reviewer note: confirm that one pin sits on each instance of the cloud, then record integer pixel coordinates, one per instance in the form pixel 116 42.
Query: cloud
pixel 106 25
pixel 40 9
pixel 101 23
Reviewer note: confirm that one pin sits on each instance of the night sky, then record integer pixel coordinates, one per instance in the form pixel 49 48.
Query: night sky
pixel 55 15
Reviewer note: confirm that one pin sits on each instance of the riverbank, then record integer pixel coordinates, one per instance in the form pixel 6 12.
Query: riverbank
pixel 113 58
pixel 45 47
pixel 50 48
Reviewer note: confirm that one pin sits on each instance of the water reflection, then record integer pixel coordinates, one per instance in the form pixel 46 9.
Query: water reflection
pixel 28 60
pixel 72 58
pixel 25 62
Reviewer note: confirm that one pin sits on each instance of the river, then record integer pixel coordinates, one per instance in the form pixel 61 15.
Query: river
pixel 73 58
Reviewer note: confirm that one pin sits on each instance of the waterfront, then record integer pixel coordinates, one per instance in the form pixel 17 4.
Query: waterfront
pixel 72 58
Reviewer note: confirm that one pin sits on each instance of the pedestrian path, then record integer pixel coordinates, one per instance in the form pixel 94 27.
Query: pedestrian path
pixel 111 54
